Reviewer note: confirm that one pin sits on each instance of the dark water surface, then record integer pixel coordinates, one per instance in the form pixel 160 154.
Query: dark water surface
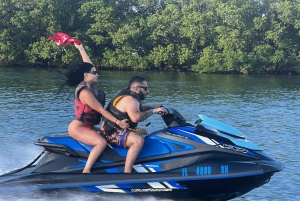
pixel 265 108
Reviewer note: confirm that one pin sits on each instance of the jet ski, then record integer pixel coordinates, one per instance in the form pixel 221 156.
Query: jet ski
pixel 207 160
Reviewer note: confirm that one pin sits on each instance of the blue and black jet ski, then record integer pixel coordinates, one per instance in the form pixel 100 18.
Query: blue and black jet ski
pixel 207 161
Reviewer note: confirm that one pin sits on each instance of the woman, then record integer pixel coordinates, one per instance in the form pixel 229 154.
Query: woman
pixel 89 103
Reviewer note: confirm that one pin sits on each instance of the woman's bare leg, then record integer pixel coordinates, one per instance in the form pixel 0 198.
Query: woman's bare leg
pixel 88 136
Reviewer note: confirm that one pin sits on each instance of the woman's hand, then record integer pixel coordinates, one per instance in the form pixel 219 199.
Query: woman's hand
pixel 123 124
pixel 85 57
pixel 78 46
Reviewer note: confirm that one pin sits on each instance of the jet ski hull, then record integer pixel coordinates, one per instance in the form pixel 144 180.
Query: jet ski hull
pixel 179 162
pixel 216 180
pixel 141 184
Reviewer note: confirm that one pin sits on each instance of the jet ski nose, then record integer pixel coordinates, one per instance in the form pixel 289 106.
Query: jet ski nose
pixel 271 166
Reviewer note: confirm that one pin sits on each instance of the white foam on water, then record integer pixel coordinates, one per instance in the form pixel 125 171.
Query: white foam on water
pixel 78 196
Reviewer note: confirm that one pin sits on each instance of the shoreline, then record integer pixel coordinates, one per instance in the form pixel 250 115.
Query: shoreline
pixel 195 72
pixel 177 70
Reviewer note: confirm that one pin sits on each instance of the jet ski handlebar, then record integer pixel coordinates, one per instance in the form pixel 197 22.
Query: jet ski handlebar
pixel 173 118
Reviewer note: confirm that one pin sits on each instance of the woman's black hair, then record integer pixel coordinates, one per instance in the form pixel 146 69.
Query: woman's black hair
pixel 75 74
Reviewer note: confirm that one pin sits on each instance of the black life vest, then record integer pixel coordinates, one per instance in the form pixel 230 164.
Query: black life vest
pixel 110 126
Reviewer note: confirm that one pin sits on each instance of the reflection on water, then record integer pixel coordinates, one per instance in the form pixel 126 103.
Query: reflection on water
pixel 265 108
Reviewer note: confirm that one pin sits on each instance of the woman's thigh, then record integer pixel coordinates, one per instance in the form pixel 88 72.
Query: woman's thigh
pixel 83 134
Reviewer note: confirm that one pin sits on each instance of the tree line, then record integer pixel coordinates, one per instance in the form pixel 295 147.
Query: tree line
pixel 208 36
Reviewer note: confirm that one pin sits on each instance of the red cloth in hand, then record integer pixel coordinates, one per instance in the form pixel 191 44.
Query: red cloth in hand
pixel 64 39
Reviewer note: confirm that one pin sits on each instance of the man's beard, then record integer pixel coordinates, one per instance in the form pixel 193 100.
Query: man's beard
pixel 141 95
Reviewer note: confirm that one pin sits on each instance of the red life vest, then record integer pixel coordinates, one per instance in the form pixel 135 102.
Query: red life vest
pixel 85 113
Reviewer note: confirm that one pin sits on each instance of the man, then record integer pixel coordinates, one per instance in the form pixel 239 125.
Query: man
pixel 127 105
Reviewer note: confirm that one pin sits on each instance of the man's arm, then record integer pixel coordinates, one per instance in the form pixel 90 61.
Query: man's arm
pixel 133 110
pixel 145 114
pixel 159 110
pixel 148 107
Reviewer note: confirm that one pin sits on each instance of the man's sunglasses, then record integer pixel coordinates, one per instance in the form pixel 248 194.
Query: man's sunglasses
pixel 93 72
pixel 145 88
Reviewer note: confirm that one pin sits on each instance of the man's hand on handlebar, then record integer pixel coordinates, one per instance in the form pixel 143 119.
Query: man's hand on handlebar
pixel 161 111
